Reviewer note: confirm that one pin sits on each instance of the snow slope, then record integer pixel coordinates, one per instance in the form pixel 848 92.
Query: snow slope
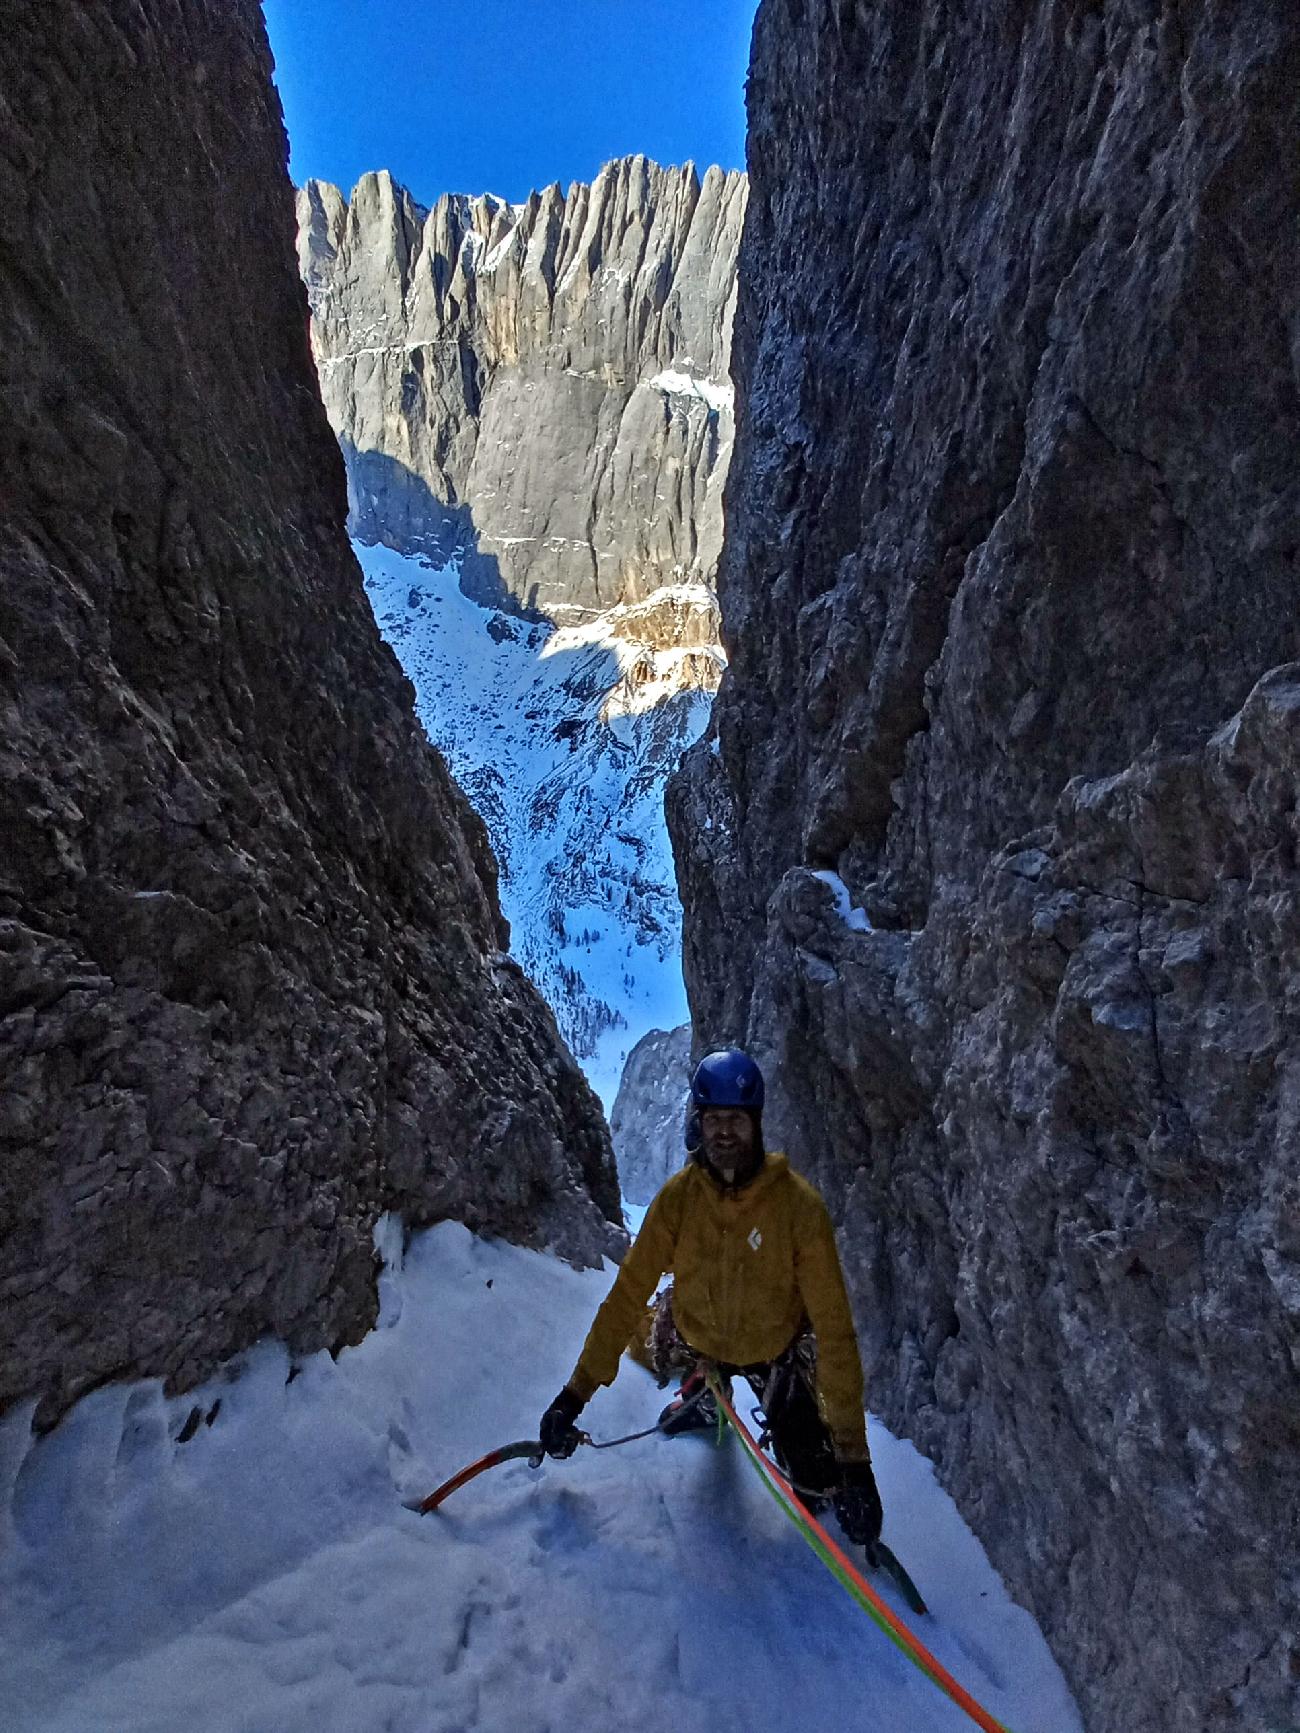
pixel 563 739
pixel 263 1577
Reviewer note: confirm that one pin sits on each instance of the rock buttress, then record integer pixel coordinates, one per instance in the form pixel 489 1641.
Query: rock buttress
pixel 1010 597
pixel 253 988
pixel 542 387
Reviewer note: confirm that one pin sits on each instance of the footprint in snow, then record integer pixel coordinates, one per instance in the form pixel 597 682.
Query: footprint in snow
pixel 567 1524
pixel 979 1657
pixel 559 1658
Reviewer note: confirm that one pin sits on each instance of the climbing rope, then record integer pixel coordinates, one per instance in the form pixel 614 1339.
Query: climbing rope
pixel 787 1498
pixel 833 1557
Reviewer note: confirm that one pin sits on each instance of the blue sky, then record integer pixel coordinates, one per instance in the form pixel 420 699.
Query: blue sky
pixel 506 95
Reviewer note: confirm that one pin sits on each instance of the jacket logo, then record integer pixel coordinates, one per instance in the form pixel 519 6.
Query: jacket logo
pixel 755 1239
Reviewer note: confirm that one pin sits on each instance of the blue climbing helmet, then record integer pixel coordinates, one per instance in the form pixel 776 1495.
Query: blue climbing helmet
pixel 727 1078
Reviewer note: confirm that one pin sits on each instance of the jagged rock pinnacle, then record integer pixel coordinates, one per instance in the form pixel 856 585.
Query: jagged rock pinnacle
pixel 543 386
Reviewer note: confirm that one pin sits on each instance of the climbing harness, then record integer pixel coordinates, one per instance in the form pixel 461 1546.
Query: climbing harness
pixel 835 1560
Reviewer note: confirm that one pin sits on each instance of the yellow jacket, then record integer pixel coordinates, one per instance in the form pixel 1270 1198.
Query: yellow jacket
pixel 748 1268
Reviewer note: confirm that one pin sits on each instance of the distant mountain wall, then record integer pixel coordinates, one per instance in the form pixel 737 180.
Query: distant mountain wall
pixel 253 981
pixel 648 1123
pixel 1011 600
pixel 543 386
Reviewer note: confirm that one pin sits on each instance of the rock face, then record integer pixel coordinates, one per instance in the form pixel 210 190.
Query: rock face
pixel 1010 599
pixel 253 988
pixel 646 1125
pixel 544 387
pixel 539 396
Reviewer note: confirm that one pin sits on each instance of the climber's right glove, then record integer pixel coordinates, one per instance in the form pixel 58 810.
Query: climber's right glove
pixel 557 1433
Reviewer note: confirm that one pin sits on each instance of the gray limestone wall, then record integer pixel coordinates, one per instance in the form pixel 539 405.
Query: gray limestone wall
pixel 253 982
pixel 1010 597
pixel 647 1125
pixel 542 387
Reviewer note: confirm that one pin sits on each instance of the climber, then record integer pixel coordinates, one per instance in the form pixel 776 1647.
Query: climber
pixel 757 1290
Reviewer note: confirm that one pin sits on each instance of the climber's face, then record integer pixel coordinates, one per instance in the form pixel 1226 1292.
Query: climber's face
pixel 728 1134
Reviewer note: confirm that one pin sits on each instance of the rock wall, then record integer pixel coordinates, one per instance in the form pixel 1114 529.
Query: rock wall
pixel 649 1115
pixel 545 386
pixel 253 988
pixel 1010 599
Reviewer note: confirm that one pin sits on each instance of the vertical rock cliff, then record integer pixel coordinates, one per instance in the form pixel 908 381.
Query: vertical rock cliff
pixel 537 396
pixel 543 387
pixel 648 1122
pixel 253 988
pixel 1010 599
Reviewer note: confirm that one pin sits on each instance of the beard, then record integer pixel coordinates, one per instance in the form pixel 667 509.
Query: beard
pixel 732 1163
pixel 733 1178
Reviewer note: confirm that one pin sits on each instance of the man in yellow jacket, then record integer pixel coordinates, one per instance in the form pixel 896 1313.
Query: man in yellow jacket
pixel 757 1289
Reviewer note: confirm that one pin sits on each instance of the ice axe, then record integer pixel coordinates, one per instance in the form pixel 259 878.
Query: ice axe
pixel 530 1449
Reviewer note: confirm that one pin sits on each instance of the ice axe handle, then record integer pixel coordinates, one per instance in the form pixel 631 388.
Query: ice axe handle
pixel 529 1448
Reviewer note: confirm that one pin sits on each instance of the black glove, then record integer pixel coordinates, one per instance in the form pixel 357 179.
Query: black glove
pixel 556 1432
pixel 857 1504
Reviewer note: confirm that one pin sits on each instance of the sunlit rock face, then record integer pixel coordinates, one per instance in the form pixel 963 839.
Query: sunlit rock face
pixel 253 988
pixel 538 396
pixel 543 387
pixel 1010 600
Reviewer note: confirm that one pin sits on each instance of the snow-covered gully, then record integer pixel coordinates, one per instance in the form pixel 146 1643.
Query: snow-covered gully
pixel 262 1576
pixel 563 738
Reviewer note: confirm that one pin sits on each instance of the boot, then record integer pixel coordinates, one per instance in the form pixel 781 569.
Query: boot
pixel 694 1409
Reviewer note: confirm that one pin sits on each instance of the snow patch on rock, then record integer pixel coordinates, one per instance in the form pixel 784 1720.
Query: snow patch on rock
pixel 714 392
pixel 852 917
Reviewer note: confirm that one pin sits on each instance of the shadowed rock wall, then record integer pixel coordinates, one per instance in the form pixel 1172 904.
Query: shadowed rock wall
pixel 544 386
pixel 648 1121
pixel 252 981
pixel 1010 599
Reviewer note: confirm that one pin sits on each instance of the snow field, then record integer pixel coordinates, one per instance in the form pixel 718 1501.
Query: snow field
pixel 566 765
pixel 263 1577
